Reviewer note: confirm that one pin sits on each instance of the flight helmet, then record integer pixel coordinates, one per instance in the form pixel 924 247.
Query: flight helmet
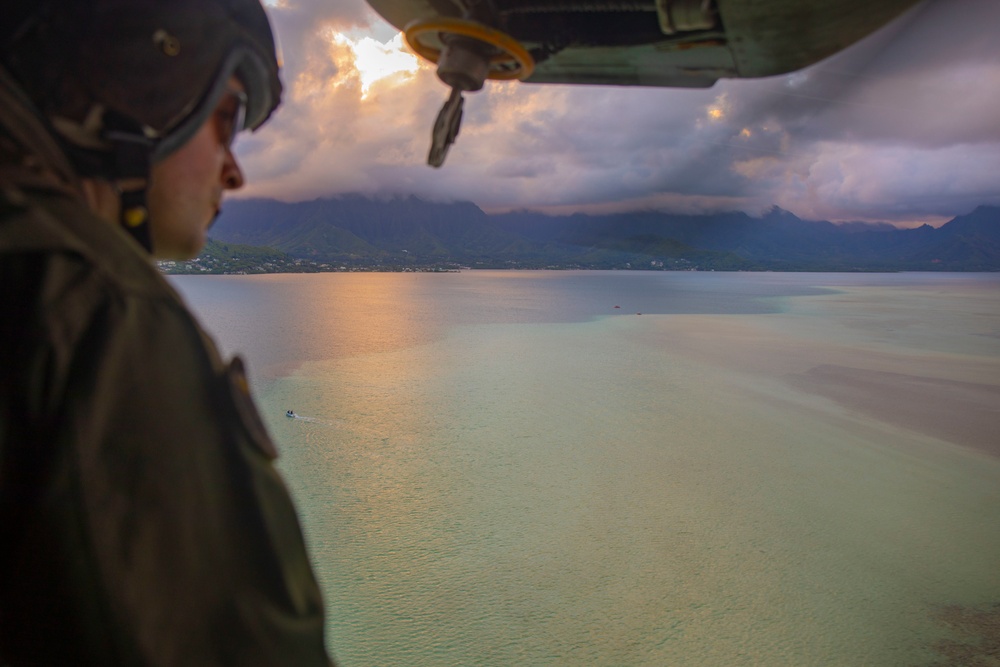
pixel 123 83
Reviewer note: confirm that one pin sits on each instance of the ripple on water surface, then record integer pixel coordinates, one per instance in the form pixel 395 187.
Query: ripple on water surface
pixel 664 490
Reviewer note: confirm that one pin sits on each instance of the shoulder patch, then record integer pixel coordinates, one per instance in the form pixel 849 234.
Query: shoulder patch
pixel 246 411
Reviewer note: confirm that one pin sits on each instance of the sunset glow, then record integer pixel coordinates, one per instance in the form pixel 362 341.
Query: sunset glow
pixel 376 61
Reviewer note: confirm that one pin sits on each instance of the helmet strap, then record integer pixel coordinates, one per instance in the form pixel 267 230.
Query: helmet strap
pixel 130 158
pixel 134 217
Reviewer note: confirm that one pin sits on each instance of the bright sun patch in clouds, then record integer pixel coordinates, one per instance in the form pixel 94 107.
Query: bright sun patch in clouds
pixel 719 109
pixel 375 60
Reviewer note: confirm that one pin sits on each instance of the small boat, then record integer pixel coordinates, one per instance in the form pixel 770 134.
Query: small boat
pixel 289 413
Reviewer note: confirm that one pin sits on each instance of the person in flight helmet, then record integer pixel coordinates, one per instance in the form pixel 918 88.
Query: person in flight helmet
pixel 142 520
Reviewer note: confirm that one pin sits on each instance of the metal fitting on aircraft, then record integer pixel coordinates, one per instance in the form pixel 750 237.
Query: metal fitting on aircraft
pixel 685 15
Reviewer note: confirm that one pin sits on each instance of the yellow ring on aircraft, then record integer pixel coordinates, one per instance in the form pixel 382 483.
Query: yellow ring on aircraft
pixel 513 51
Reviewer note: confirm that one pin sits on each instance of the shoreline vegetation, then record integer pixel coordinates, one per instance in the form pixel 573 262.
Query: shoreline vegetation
pixel 229 259
pixel 242 267
pixel 218 258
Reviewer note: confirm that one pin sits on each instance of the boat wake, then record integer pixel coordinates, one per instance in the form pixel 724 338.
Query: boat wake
pixel 356 430
pixel 336 423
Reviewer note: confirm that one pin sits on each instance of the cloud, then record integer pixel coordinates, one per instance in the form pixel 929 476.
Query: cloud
pixel 901 127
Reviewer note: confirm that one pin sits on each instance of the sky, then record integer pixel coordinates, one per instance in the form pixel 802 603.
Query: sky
pixel 903 127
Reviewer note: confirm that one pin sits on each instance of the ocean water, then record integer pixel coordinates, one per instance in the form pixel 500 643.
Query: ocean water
pixel 631 468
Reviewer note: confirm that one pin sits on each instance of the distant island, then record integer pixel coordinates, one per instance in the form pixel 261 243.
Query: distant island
pixel 356 233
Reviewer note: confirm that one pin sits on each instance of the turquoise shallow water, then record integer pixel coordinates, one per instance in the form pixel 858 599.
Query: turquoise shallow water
pixel 503 468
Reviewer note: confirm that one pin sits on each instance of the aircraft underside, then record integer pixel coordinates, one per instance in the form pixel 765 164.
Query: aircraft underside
pixel 672 43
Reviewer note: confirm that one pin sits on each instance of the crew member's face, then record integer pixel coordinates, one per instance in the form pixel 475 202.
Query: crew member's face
pixel 186 187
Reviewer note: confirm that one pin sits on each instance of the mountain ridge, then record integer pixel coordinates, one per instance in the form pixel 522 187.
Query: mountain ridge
pixel 408 231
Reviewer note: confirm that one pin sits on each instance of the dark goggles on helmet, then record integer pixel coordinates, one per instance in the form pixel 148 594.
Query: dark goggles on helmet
pixel 230 122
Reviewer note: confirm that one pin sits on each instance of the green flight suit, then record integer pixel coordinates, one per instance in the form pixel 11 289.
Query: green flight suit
pixel 141 518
